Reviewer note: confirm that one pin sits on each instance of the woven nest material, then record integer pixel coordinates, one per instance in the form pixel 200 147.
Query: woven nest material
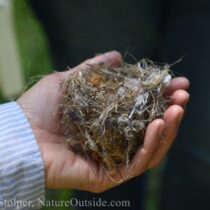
pixel 105 111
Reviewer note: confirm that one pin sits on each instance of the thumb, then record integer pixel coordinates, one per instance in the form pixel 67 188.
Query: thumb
pixel 112 58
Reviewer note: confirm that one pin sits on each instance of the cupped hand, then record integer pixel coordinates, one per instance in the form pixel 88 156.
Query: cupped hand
pixel 64 168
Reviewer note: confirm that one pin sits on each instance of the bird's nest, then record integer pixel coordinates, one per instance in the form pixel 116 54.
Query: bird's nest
pixel 105 111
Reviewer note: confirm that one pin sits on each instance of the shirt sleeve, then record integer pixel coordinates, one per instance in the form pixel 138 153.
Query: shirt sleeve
pixel 22 178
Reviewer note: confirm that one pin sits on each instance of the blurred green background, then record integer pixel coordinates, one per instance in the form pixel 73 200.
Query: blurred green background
pixel 35 61
pixel 31 40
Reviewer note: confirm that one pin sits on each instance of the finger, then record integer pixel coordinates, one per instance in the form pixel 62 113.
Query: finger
pixel 177 83
pixel 179 97
pixel 172 119
pixel 112 58
pixel 145 154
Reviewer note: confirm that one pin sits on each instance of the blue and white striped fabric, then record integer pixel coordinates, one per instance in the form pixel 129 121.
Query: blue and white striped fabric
pixel 22 178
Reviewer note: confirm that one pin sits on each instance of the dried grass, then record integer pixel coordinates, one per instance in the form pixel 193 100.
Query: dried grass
pixel 105 111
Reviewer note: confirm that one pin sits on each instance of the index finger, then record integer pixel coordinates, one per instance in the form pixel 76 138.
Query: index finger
pixel 110 59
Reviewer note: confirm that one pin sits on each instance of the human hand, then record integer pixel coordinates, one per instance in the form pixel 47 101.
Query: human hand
pixel 64 168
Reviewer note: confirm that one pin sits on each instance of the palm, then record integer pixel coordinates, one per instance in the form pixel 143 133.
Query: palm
pixel 65 169
pixel 48 131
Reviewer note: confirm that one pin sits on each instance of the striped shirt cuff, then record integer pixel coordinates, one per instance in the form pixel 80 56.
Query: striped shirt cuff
pixel 22 178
